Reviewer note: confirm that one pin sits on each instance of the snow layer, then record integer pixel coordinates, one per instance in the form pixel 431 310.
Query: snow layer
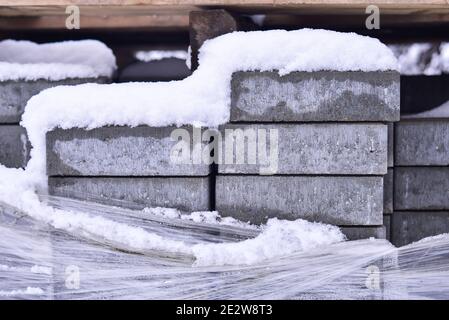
pixel 209 217
pixel 25 60
pixel 154 55
pixel 278 238
pixel 201 99
pixel 204 97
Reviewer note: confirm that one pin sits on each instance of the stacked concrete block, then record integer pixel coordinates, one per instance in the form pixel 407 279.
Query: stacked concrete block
pixel 329 131
pixel 421 185
pixel 129 167
pixel 389 183
pixel 14 95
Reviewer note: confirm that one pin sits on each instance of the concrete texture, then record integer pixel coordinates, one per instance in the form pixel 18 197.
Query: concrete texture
pixel 184 193
pixel 14 146
pixel 357 233
pixel 117 151
pixel 335 200
pixel 388 191
pixel 307 149
pixel 421 188
pixel 422 143
pixel 15 94
pixel 390 145
pixel 409 227
pixel 387 225
pixel 315 96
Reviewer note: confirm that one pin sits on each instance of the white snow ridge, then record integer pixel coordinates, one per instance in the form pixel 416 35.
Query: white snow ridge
pixel 26 60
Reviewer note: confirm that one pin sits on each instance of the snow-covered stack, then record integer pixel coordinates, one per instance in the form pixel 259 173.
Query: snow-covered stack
pixel 314 116
pixel 329 133
pixel 26 68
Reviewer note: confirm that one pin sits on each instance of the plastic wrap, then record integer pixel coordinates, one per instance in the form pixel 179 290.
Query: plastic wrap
pixel 41 262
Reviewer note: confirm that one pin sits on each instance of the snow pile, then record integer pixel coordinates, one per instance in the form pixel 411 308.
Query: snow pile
pixel 278 238
pixel 155 55
pixel 25 60
pixel 204 97
pixel 422 58
pixel 209 217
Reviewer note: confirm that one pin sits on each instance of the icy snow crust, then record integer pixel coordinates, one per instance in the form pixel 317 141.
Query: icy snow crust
pixel 26 60
pixel 201 99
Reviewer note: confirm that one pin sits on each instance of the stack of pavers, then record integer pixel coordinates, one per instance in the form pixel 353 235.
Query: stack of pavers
pixel 14 94
pixel 29 68
pixel 421 177
pixel 315 146
pixel 331 135
pixel 128 167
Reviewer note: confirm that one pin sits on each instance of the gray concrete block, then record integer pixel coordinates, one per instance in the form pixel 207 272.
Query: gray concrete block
pixel 387 225
pixel 117 151
pixel 390 145
pixel 336 200
pixel 315 96
pixel 421 188
pixel 422 143
pixel 409 227
pixel 14 146
pixel 14 95
pixel 388 191
pixel 358 233
pixel 184 193
pixel 304 149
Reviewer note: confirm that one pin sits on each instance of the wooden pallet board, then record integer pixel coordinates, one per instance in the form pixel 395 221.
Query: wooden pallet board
pixel 50 14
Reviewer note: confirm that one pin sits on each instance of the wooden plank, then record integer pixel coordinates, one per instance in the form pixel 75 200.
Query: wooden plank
pixel 173 14
pixel 145 7
pixel 153 22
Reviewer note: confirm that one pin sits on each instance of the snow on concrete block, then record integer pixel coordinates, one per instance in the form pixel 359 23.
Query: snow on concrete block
pixel 14 146
pixel 15 94
pixel 119 151
pixel 422 143
pixel 335 200
pixel 424 188
pixel 408 227
pixel 315 96
pixel 358 233
pixel 388 191
pixel 304 149
pixel 184 193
